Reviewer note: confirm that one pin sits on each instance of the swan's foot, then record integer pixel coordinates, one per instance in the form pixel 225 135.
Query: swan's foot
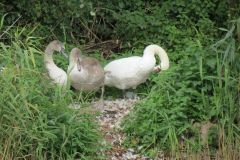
pixel 129 95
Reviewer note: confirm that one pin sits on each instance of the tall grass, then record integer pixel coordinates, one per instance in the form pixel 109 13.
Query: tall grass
pixel 35 122
pixel 194 106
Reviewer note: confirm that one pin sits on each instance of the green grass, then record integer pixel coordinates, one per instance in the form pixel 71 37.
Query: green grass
pixel 35 122
pixel 203 87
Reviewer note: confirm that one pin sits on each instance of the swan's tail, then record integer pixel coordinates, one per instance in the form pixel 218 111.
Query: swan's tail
pixel 153 48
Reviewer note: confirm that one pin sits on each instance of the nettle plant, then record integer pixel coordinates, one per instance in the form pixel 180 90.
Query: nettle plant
pixel 193 91
pixel 94 21
pixel 199 90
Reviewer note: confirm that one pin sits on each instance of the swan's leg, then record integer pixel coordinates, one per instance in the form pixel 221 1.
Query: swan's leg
pixel 102 92
pixel 100 103
pixel 124 93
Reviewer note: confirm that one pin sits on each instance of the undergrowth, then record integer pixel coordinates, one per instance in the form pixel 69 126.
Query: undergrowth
pixel 191 110
pixel 35 120
pixel 193 105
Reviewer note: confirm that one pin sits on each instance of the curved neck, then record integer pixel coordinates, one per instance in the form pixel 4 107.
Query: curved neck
pixel 48 55
pixel 48 58
pixel 152 50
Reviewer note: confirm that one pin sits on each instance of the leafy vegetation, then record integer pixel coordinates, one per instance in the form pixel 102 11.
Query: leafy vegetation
pixel 184 96
pixel 35 120
pixel 192 106
pixel 201 90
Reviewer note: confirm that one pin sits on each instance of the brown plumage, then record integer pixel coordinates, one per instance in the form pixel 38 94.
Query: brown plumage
pixel 85 73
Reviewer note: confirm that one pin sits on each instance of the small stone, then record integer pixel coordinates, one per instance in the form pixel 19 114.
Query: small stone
pixel 112 113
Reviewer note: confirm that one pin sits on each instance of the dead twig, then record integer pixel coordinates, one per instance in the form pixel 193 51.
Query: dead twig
pixel 89 30
pixel 106 45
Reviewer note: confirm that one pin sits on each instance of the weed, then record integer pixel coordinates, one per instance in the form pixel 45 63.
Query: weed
pixel 194 103
pixel 35 119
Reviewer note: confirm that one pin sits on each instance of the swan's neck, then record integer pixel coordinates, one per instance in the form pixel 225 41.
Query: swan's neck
pixel 152 50
pixel 148 61
pixel 48 58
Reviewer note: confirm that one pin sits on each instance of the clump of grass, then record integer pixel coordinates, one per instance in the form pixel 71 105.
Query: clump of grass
pixel 35 122
pixel 194 106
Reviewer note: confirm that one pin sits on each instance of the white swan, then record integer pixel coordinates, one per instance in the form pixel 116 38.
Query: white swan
pixel 58 75
pixel 85 73
pixel 129 72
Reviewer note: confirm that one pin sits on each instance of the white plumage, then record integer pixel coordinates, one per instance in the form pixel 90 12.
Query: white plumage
pixel 58 75
pixel 129 72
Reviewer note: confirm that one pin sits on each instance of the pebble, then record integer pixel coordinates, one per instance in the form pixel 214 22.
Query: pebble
pixel 112 114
